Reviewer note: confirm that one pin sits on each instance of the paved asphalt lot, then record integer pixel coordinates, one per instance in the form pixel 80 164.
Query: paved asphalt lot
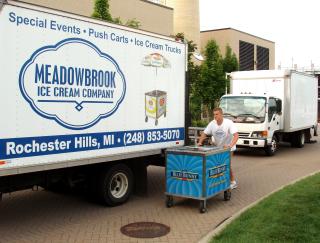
pixel 42 216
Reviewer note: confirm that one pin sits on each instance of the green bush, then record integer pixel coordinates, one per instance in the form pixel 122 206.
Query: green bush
pixel 199 123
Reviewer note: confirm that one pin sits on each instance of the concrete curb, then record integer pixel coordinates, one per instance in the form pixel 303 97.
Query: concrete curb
pixel 217 230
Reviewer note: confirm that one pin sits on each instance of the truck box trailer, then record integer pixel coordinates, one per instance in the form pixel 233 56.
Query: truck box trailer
pixel 73 101
pixel 270 106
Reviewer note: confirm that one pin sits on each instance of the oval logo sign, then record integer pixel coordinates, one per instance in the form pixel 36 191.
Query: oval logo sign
pixel 73 83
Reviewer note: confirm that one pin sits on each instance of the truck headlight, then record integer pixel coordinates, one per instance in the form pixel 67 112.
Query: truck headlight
pixel 259 134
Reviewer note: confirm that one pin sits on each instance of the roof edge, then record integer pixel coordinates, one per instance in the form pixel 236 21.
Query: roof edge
pixel 229 28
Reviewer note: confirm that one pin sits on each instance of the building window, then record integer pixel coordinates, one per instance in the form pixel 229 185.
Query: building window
pixel 246 56
pixel 262 58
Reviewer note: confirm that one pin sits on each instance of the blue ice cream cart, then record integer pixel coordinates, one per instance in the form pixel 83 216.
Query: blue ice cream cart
pixel 198 173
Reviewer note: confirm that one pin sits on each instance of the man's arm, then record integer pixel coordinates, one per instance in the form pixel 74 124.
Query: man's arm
pixel 202 137
pixel 234 140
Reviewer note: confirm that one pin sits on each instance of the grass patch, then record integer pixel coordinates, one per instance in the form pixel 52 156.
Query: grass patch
pixel 289 215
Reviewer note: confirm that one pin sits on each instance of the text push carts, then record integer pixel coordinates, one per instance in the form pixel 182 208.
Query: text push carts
pixel 197 172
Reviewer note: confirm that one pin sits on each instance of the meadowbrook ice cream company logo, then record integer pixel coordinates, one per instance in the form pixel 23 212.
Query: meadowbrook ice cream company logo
pixel 73 83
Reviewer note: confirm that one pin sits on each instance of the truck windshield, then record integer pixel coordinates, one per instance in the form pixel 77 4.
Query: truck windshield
pixel 244 109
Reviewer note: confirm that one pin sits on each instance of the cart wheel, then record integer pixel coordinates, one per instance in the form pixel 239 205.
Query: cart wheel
pixel 203 207
pixel 169 201
pixel 146 119
pixel 227 195
pixel 156 122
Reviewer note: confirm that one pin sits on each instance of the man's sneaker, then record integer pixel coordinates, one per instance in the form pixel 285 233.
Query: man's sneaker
pixel 233 184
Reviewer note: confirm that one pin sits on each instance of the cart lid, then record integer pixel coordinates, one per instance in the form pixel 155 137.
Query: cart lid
pixel 198 149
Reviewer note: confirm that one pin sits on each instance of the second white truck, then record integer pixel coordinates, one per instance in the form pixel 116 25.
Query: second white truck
pixel 270 106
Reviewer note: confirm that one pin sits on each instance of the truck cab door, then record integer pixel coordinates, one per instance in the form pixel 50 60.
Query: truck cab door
pixel 274 116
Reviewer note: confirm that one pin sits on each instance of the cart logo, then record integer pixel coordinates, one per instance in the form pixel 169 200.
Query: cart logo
pixel 73 83
pixel 217 171
pixel 184 176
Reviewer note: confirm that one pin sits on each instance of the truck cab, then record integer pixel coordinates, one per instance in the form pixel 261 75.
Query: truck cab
pixel 256 117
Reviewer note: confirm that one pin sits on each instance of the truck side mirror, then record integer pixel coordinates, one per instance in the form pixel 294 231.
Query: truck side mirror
pixel 279 105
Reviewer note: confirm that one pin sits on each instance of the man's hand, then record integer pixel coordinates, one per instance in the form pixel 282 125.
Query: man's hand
pixel 201 139
pixel 226 146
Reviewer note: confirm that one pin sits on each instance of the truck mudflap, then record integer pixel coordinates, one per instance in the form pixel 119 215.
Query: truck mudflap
pixel 249 142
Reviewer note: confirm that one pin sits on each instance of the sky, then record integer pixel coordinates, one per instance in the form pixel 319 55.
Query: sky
pixel 293 25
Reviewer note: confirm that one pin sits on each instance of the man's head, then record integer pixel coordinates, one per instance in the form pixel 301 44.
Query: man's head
pixel 218 114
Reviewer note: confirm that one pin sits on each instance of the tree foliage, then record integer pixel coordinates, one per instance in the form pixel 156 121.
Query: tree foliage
pixel 230 63
pixel 212 83
pixel 101 11
pixel 117 20
pixel 133 23
pixel 208 79
pixel 193 78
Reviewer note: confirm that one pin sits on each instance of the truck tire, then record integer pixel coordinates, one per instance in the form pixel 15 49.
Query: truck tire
pixel 272 149
pixel 115 185
pixel 315 130
pixel 298 139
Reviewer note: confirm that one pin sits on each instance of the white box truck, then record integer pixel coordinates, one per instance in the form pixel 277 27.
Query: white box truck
pixel 270 106
pixel 80 101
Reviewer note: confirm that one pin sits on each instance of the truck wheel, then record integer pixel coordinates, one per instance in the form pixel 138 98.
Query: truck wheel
pixel 115 185
pixel 271 149
pixel 298 139
pixel 315 130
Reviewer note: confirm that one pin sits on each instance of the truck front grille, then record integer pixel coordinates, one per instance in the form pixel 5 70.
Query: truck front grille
pixel 243 134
